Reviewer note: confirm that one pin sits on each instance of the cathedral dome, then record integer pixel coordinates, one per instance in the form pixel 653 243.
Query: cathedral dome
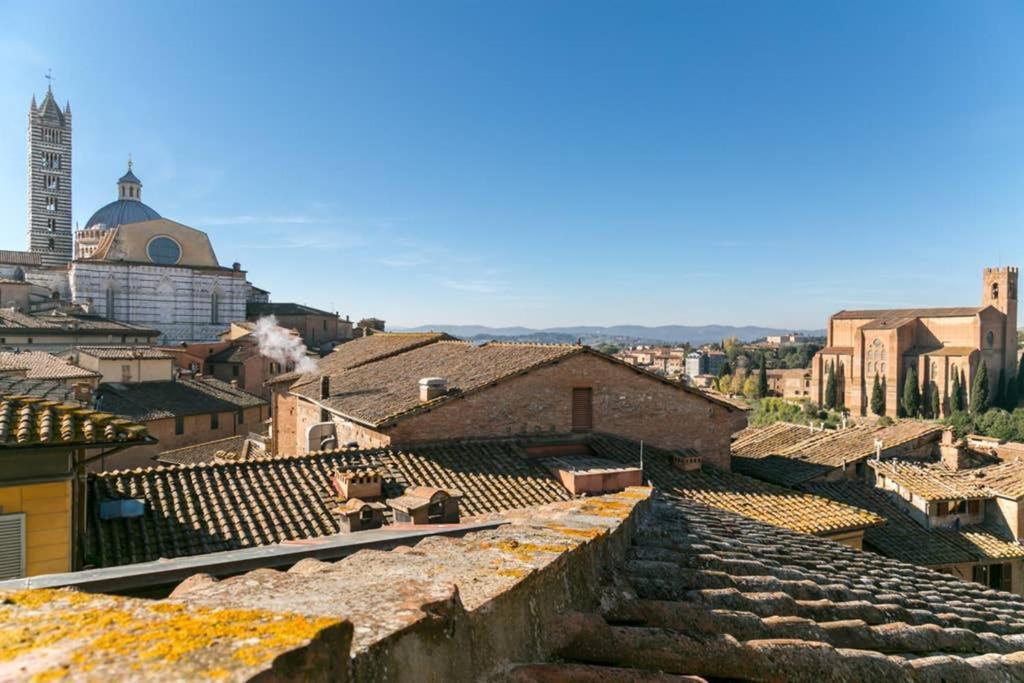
pixel 121 212
pixel 127 209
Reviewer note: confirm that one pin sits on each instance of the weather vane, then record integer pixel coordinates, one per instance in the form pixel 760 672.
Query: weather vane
pixel 49 78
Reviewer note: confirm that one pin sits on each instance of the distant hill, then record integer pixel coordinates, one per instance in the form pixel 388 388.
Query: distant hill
pixel 674 334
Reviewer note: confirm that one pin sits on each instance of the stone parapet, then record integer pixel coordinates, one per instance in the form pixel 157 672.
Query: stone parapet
pixel 456 609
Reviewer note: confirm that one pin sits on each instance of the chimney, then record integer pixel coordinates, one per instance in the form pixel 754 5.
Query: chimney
pixel 687 462
pixel 432 387
pixel 325 387
pixel 234 383
pixel 361 484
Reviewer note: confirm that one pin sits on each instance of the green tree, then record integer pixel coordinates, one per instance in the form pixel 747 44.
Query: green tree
pixel 762 379
pixel 956 402
pixel 724 370
pixel 933 398
pixel 911 394
pixel 830 387
pixel 750 388
pixel 979 390
pixel 1000 398
pixel 877 398
pixel 1012 394
pixel 725 383
pixel 963 389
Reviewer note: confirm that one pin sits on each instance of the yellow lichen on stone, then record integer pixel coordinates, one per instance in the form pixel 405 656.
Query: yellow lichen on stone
pixel 95 630
pixel 588 534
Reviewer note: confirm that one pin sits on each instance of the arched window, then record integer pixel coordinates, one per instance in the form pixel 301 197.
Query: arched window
pixel 215 307
pixel 990 339
pixel 19 274
pixel 935 370
pixel 995 291
pixel 110 301
pixel 50 243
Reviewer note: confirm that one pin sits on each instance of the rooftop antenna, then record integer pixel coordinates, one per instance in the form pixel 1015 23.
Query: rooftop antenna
pixel 878 449
pixel 641 457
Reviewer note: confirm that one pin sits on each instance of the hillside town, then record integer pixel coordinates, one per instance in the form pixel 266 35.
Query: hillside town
pixel 211 483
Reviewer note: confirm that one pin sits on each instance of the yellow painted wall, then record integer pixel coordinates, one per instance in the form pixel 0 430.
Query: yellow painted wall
pixel 47 509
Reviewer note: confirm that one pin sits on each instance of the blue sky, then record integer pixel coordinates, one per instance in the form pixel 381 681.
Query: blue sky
pixel 550 163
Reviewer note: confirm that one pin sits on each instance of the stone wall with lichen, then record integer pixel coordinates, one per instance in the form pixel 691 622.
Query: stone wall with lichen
pixel 456 608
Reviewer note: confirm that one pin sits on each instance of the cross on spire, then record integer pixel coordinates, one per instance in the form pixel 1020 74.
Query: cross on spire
pixel 129 161
pixel 49 80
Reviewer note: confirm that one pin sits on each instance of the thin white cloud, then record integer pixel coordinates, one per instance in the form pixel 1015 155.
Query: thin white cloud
pixel 258 219
pixel 313 242
pixel 403 260
pixel 475 286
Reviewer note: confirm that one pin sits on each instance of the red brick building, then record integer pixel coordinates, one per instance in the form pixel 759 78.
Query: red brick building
pixel 406 388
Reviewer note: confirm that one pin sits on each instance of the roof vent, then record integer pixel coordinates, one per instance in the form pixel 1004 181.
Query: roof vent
pixel 432 387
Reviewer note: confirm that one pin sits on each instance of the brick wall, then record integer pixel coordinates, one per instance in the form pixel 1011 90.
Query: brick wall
pixel 625 403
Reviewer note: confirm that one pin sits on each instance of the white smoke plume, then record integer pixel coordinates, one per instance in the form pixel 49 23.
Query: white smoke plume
pixel 281 345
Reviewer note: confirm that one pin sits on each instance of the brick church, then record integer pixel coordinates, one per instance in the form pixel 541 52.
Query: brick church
pixel 128 263
pixel 938 342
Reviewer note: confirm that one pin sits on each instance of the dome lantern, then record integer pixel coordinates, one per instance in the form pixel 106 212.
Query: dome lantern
pixel 128 186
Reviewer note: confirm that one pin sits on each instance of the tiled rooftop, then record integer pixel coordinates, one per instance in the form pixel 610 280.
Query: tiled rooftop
pixel 203 452
pixel 936 482
pixel 49 389
pixel 41 365
pixel 716 595
pixel 386 389
pixel 124 352
pixel 144 401
pixel 29 421
pixel 363 350
pixel 948 312
pixel 779 454
pixel 228 505
pixel 902 538
pixel 12 320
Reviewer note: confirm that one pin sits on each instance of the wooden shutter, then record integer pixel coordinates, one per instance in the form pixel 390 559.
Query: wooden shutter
pixel 12 546
pixel 582 409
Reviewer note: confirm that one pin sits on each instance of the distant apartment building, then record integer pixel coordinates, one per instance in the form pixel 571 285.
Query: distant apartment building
pixel 791 338
pixel 704 363
pixel 790 384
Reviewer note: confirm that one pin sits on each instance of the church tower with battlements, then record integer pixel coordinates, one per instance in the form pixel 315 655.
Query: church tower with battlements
pixel 49 181
pixel 999 289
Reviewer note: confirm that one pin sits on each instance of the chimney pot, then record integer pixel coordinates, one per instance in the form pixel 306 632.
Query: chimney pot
pixel 432 387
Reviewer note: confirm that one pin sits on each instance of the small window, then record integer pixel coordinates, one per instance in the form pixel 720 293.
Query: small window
pixel 990 339
pixel 325 324
pixel 942 509
pixel 995 291
pixel 435 511
pixel 214 420
pixel 126 373
pixel 973 507
pixel 179 425
pixel 366 514
pixel 582 409
pixel 325 415
pixel 234 370
pixel 240 416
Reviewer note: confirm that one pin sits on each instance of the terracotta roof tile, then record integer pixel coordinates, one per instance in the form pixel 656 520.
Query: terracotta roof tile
pixel 144 401
pixel 902 538
pixel 124 352
pixel 27 421
pixel 41 365
pixel 779 454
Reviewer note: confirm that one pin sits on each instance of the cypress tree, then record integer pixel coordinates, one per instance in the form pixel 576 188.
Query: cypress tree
pixel 956 403
pixel 933 395
pixel 762 378
pixel 911 394
pixel 877 398
pixel 1000 399
pixel 724 369
pixel 1012 396
pixel 963 391
pixel 979 390
pixel 830 387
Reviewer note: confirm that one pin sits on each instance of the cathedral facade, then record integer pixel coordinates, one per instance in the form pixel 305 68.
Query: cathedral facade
pixel 938 343
pixel 128 263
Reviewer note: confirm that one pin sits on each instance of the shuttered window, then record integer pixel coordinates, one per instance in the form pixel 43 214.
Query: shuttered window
pixel 12 546
pixel 582 409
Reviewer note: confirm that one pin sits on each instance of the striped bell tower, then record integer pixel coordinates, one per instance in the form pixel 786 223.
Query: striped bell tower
pixel 49 180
